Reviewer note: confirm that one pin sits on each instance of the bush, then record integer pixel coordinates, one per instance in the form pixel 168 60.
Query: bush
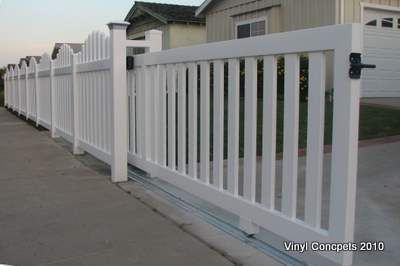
pixel 303 77
pixel 280 79
pixel 260 78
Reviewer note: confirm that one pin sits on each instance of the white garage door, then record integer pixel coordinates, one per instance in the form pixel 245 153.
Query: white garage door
pixel 382 48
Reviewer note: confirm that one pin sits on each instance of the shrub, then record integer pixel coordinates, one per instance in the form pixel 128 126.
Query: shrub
pixel 303 77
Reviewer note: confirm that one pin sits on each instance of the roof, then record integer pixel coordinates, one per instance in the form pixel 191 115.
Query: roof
pixel 166 13
pixel 203 7
pixel 76 48
pixel 27 59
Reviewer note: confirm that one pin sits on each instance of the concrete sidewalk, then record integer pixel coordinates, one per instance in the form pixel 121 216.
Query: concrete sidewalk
pixel 383 102
pixel 56 211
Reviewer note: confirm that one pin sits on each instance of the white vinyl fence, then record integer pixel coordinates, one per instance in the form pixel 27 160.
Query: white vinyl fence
pixel 149 117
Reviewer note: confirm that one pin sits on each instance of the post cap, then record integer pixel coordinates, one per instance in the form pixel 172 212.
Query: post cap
pixel 121 25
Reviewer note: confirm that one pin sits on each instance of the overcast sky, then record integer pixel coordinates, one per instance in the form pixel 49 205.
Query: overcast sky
pixel 31 27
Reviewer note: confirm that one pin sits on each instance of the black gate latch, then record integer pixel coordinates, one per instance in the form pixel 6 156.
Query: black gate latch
pixel 356 66
pixel 130 62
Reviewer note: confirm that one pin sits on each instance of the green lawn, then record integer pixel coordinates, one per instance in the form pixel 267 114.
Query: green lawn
pixel 375 122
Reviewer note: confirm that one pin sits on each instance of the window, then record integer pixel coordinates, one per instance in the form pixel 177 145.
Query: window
pixel 372 23
pixel 251 29
pixel 243 31
pixel 387 23
pixel 258 28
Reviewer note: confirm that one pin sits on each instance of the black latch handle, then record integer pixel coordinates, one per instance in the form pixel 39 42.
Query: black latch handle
pixel 356 66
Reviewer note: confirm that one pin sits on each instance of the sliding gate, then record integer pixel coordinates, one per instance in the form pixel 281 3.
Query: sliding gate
pixel 197 120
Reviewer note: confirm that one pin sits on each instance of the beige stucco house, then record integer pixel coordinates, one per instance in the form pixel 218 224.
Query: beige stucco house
pixel 178 23
pixel 230 19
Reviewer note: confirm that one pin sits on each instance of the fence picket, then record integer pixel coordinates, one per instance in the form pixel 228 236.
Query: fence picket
pixel 132 113
pixel 156 114
pixel 218 138
pixel 162 87
pixel 205 122
pixel 192 113
pixel 290 135
pixel 171 81
pixel 250 134
pixel 233 126
pixel 269 132
pixel 147 86
pixel 140 112
pixel 182 119
pixel 315 139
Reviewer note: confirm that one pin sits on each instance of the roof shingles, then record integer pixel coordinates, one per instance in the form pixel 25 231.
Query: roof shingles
pixel 168 12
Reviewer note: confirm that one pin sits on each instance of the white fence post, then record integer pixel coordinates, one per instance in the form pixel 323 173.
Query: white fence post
pixel 5 88
pixel 119 109
pixel 26 93
pixel 155 38
pixel 75 108
pixel 37 94
pixel 52 101
pixel 346 104
pixel 19 89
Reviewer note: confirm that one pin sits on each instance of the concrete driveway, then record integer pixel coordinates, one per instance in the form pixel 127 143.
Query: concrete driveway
pixel 385 102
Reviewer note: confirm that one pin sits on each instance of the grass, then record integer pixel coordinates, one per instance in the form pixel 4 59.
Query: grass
pixel 375 122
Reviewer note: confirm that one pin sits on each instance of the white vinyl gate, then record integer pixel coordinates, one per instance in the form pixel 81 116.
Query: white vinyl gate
pixel 83 98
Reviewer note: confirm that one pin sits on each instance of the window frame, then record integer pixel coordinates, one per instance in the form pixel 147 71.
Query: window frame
pixel 250 21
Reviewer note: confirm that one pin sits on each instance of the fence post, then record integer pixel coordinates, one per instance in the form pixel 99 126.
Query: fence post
pixel 26 94
pixel 19 89
pixel 75 107
pixel 155 38
pixel 53 101
pixel 5 88
pixel 15 91
pixel 346 104
pixel 37 94
pixel 119 109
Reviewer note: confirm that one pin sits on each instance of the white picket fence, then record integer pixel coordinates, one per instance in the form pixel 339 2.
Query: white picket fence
pixel 148 117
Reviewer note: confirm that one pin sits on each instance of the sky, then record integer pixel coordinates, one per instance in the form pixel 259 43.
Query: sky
pixel 31 27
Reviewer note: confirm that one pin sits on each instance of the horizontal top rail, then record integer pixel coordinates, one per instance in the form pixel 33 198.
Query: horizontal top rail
pixel 308 40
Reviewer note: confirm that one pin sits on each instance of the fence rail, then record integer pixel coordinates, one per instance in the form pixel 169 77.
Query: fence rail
pixel 177 115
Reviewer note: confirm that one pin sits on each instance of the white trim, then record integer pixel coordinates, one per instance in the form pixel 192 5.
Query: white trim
pixel 249 21
pixel 363 6
pixel 342 18
pixel 202 7
pixel 379 7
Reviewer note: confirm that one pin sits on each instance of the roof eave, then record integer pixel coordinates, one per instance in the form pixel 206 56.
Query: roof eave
pixel 131 11
pixel 186 21
pixel 148 11
pixel 203 7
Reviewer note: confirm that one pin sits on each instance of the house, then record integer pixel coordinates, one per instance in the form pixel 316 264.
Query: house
pixel 178 23
pixel 76 47
pixel 231 19
pixel 27 59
